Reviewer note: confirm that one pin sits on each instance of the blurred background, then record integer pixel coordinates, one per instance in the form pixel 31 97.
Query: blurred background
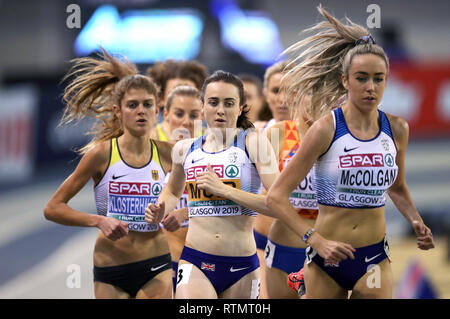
pixel 38 259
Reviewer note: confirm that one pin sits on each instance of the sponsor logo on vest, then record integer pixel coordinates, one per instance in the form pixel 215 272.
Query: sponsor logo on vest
pixel 125 188
pixel 350 149
pixel 231 171
pixel 156 189
pixel 389 159
pixel 196 160
pixel 361 160
pixel 116 177
pixel 192 172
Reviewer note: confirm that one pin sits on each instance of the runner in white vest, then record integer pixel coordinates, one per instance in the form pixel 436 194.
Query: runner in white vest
pixel 184 110
pixel 359 153
pixel 222 171
pixel 131 257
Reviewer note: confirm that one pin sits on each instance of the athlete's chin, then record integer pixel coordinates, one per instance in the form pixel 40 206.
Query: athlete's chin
pixel 283 115
pixel 367 106
pixel 219 125
pixel 221 128
pixel 139 132
pixel 370 102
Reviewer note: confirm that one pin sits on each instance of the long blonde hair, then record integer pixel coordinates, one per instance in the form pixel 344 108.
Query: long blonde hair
pixel 319 61
pixel 97 85
pixel 279 67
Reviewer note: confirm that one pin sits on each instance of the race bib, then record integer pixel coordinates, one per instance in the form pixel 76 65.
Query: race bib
pixel 128 201
pixel 364 178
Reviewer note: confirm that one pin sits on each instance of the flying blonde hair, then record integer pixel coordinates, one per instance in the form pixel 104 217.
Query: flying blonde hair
pixel 95 86
pixel 319 60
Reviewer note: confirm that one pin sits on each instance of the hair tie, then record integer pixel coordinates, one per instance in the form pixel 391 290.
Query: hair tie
pixel 365 39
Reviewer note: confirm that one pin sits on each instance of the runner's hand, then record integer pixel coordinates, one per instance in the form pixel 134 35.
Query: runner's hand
pixel 154 213
pixel 210 182
pixel 425 239
pixel 332 251
pixel 172 221
pixel 112 228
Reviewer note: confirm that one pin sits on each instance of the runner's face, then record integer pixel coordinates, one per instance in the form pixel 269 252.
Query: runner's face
pixel 253 100
pixel 184 110
pixel 275 98
pixel 137 112
pixel 221 105
pixel 366 81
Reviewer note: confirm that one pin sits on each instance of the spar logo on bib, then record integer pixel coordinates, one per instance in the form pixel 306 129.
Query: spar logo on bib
pixel 231 171
pixel 389 160
pixel 126 188
pixel 156 189
pixel 192 172
pixel 362 160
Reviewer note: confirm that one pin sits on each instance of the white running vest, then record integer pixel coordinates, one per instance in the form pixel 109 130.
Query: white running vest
pixel 355 173
pixel 125 191
pixel 232 165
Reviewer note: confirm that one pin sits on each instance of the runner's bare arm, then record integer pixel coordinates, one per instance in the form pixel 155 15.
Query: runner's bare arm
pixel 92 165
pixel 315 142
pixel 399 192
pixel 172 192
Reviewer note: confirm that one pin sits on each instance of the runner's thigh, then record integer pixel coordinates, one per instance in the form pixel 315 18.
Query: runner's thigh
pixel 246 288
pixel 321 286
pixel 106 291
pixel 376 283
pixel 159 287
pixel 277 287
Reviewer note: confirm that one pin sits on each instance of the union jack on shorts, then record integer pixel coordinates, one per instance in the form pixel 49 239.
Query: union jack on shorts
pixel 209 267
